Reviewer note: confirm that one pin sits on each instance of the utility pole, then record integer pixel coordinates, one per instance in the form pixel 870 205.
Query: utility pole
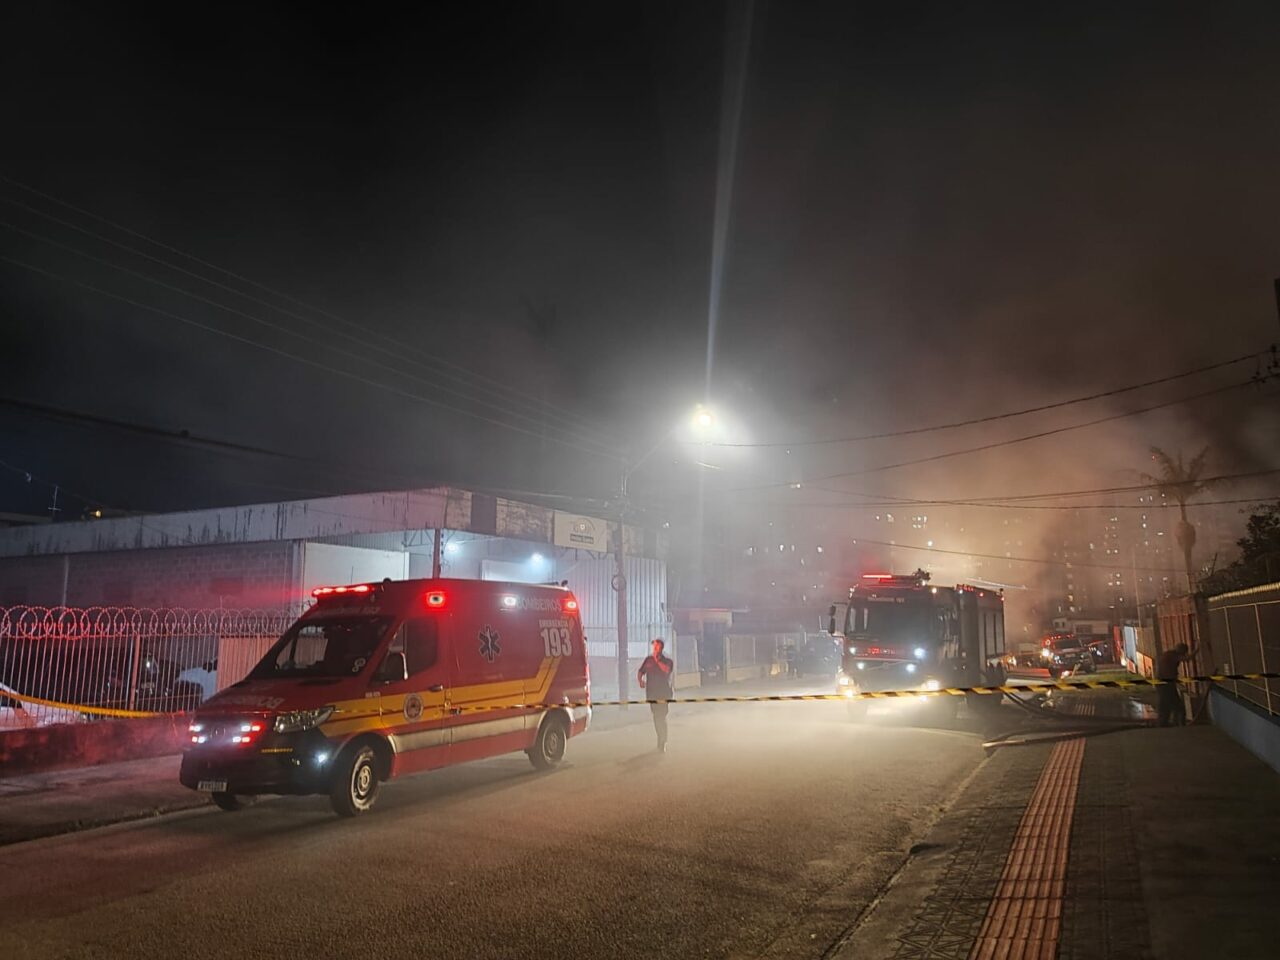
pixel 1133 553
pixel 1277 284
pixel 620 586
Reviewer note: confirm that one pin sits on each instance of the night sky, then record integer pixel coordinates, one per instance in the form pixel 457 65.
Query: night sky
pixel 939 211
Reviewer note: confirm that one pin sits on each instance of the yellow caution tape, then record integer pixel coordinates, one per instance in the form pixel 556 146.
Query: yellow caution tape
pixel 1030 686
pixel 84 708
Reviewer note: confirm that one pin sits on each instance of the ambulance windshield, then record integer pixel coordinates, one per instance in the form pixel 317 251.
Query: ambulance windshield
pixel 329 647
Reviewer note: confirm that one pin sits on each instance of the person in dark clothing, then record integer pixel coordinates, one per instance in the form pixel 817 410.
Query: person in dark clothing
pixel 1171 710
pixel 655 676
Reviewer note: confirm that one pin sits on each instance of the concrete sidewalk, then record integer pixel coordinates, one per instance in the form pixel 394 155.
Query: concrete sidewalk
pixel 1147 843
pixel 45 804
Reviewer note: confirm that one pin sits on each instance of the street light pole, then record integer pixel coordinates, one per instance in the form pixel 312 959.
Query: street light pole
pixel 702 421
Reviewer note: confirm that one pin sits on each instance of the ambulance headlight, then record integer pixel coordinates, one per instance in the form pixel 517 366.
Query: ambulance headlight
pixel 911 668
pixel 919 652
pixel 861 665
pixel 296 721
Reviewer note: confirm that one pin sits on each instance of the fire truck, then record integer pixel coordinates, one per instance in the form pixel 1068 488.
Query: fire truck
pixel 900 632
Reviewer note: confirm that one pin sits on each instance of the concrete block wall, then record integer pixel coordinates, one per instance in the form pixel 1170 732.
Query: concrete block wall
pixel 1246 723
pixel 31 580
pixel 252 575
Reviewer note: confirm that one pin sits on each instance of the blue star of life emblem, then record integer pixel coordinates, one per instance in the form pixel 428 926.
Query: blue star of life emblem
pixel 490 649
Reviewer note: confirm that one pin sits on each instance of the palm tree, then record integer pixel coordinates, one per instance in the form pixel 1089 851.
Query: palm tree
pixel 1178 481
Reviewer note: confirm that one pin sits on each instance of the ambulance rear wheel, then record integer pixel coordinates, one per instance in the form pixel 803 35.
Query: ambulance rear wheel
pixel 548 749
pixel 355 782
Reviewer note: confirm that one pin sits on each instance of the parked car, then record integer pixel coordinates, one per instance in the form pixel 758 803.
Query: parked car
pixel 16 714
pixel 1103 651
pixel 157 687
pixel 205 677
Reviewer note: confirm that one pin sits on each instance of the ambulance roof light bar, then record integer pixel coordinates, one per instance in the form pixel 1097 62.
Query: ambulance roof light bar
pixel 329 591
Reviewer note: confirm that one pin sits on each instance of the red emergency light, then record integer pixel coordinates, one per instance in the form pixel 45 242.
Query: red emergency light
pixel 571 604
pixel 436 599
pixel 327 591
pixel 892 580
pixel 247 734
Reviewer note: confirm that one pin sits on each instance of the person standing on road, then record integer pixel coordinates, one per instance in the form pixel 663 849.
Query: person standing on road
pixel 654 677
pixel 1171 710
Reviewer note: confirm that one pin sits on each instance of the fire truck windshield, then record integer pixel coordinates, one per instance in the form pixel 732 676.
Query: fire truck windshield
pixel 905 622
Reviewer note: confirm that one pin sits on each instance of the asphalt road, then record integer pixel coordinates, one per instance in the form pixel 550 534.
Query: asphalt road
pixel 763 832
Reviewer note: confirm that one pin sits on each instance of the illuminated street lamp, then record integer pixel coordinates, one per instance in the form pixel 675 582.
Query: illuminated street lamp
pixel 703 420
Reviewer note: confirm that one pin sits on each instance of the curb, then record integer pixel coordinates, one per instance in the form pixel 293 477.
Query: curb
pixel 26 834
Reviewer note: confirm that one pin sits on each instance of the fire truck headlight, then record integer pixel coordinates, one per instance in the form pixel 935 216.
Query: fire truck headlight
pixel 862 666
pixel 298 720
pixel 932 684
pixel 911 668
pixel 919 652
pixel 844 681
pixel 1046 653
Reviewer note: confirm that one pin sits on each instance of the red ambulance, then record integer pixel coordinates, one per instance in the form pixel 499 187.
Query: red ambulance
pixel 378 680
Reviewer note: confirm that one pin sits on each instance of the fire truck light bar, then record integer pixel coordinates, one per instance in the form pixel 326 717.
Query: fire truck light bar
pixel 889 579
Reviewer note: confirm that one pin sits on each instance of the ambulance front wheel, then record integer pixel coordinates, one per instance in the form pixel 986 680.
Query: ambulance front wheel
pixel 548 749
pixel 355 781
pixel 229 801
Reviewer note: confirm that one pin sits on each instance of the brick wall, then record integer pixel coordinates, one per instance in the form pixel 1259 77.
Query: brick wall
pixel 253 575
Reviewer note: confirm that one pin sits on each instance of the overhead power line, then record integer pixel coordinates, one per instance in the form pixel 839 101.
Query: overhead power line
pixel 997 416
pixel 498 408
pixel 184 438
pixel 315 364
pixel 996 556
pixel 1018 500
pixel 1007 442
pixel 439 366
pixel 945 504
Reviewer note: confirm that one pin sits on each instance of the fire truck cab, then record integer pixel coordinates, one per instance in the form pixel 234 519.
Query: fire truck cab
pixel 902 633
pixel 378 680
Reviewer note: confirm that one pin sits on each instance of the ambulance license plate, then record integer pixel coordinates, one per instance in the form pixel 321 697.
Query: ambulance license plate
pixel 212 786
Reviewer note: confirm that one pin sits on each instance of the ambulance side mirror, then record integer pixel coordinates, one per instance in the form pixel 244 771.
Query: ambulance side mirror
pixel 393 668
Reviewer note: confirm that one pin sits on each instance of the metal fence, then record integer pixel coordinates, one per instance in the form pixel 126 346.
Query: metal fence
pixel 755 656
pixel 1244 637
pixel 165 660
pixel 602 653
